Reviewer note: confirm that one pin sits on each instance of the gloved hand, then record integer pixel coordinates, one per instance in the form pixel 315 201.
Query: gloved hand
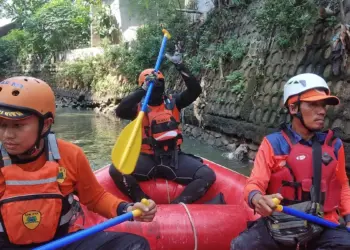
pixel 149 78
pixel 177 57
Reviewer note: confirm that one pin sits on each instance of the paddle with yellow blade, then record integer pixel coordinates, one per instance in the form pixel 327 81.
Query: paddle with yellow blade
pixel 127 148
pixel 91 230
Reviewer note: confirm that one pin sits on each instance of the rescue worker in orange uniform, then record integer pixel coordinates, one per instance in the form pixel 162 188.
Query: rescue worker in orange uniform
pixel 39 175
pixel 305 169
pixel 161 155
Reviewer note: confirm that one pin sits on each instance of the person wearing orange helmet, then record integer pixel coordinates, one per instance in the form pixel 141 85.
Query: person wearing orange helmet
pixel 39 175
pixel 161 155
pixel 304 168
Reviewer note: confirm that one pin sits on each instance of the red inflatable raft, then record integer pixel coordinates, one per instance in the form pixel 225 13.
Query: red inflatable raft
pixel 186 227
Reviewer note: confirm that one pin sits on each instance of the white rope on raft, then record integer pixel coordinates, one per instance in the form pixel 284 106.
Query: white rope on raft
pixel 192 224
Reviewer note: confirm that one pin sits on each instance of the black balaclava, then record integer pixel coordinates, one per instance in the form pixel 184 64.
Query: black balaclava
pixel 157 94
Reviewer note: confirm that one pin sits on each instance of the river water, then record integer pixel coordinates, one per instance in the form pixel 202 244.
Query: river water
pixel 97 135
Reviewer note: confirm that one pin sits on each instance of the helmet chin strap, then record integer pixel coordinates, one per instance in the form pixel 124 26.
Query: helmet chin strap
pixel 36 147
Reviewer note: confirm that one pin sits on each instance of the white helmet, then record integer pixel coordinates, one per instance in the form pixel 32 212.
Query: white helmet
pixel 301 83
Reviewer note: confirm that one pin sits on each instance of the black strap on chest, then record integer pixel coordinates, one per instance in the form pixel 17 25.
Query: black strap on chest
pixel 315 191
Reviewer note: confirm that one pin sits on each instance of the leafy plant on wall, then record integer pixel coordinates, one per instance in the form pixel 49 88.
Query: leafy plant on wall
pixel 288 20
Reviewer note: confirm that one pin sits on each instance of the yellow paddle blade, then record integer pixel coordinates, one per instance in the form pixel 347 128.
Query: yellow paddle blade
pixel 127 148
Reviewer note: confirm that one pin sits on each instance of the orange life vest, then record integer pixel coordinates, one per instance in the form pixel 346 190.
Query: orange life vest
pixel 161 126
pixel 294 180
pixel 32 208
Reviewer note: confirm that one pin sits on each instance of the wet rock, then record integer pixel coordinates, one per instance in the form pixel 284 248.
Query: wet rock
pixel 217 135
pixel 81 97
pixel 185 127
pixel 253 147
pixel 251 155
pixel 218 142
pixel 205 137
pixel 196 132
pixel 98 110
pixel 211 140
pixel 224 141
pixel 231 147
pixel 241 152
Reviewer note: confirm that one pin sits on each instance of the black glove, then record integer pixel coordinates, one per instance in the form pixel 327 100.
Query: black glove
pixel 177 57
pixel 150 78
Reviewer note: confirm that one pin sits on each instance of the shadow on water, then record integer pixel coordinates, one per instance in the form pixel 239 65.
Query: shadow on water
pixel 97 135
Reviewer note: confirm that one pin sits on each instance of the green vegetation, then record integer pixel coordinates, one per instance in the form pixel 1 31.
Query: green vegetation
pixel 105 24
pixel 44 28
pixel 288 20
pixel 47 28
pixel 203 51
pixel 237 81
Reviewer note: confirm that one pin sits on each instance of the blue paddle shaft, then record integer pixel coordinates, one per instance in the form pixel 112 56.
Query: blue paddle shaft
pixel 311 218
pixel 84 233
pixel 156 68
pixel 161 51
pixel 148 95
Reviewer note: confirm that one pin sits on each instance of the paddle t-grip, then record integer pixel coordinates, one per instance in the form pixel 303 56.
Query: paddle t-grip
pixel 138 212
pixel 277 202
pixel 166 33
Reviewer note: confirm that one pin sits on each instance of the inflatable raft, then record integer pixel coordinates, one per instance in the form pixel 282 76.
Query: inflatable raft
pixel 185 227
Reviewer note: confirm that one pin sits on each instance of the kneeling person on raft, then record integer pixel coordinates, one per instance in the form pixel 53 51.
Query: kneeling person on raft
pixel 39 175
pixel 161 155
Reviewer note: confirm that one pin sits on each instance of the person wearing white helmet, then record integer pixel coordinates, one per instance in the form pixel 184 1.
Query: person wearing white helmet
pixel 310 89
pixel 304 168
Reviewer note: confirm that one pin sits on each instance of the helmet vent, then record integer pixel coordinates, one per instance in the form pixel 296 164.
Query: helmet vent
pixel 25 79
pixel 0 89
pixel 303 82
pixel 15 93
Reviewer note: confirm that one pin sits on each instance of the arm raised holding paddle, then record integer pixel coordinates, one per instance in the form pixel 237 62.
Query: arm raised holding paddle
pixel 161 137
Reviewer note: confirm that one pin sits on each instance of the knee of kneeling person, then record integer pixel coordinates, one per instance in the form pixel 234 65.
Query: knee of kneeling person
pixel 207 174
pixel 112 170
pixel 237 244
pixel 115 174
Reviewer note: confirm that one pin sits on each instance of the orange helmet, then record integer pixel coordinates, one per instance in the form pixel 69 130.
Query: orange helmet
pixel 146 72
pixel 22 96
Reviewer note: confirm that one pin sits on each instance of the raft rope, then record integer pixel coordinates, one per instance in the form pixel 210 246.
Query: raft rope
pixel 192 224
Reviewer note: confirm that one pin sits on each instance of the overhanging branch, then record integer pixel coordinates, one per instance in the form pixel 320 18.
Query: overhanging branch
pixel 189 11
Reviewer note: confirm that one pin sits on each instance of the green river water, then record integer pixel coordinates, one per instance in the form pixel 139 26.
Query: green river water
pixel 97 135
